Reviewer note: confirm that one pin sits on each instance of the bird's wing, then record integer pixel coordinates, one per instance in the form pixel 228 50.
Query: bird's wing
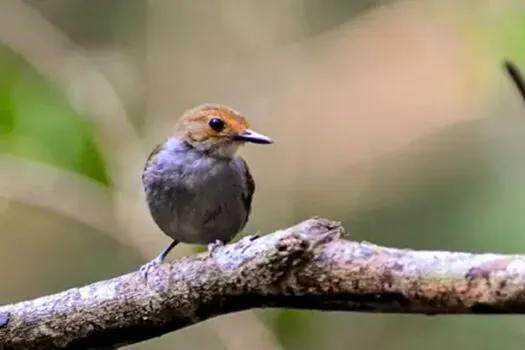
pixel 150 158
pixel 249 188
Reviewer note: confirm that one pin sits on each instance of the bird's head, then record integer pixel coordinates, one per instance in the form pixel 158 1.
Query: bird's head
pixel 217 130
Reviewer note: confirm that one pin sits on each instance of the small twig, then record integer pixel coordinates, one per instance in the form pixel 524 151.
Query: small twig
pixel 308 266
pixel 516 77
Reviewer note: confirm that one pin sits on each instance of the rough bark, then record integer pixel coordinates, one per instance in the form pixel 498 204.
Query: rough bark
pixel 308 266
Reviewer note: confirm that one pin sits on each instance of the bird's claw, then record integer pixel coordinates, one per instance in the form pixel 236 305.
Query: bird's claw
pixel 247 239
pixel 253 237
pixel 147 267
pixel 244 242
pixel 213 246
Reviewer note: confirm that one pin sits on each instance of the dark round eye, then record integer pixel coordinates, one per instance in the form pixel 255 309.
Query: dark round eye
pixel 216 124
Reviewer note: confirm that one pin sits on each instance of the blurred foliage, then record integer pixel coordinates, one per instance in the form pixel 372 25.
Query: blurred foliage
pixel 476 207
pixel 97 22
pixel 320 16
pixel 469 209
pixel 37 122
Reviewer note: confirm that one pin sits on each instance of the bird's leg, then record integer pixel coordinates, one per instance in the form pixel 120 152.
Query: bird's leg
pixel 144 269
pixel 213 246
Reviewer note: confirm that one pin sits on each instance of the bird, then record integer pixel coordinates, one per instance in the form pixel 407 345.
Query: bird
pixel 197 188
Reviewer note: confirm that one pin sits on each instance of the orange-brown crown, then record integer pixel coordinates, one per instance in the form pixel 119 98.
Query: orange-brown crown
pixel 194 125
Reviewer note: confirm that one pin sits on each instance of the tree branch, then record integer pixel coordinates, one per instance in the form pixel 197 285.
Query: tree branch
pixel 307 266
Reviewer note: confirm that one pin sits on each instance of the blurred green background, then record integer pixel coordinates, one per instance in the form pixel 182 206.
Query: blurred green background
pixel 395 117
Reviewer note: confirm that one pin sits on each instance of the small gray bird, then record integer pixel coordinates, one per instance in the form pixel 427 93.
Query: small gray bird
pixel 197 189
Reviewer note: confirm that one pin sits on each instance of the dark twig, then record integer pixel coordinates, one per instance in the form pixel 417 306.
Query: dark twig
pixel 516 77
pixel 308 266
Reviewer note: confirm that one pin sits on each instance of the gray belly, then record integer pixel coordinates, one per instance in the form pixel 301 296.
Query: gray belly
pixel 207 217
pixel 193 210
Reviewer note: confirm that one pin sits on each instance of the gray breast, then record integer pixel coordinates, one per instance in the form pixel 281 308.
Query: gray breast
pixel 195 198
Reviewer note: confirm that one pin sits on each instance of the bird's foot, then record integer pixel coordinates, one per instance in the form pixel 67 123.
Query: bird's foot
pixel 247 239
pixel 213 246
pixel 244 242
pixel 146 268
pixel 253 237
pixel 149 266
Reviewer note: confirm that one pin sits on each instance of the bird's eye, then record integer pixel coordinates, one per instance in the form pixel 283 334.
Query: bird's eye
pixel 216 124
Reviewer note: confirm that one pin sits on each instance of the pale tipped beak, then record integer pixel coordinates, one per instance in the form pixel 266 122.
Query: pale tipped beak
pixel 253 137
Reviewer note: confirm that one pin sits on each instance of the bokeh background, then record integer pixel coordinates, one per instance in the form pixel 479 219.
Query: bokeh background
pixel 394 117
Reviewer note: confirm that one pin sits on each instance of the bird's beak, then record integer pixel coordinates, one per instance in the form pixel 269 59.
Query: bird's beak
pixel 253 137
